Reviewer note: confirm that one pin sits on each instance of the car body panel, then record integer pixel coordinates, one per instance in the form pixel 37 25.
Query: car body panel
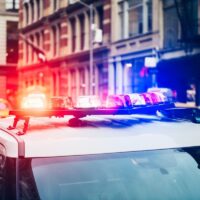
pixel 4 108
pixel 9 142
pixel 48 137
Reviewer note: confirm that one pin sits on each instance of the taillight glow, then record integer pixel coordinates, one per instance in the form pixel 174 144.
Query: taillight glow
pixel 88 102
pixel 34 101
pixel 165 94
pixel 147 98
pixel 137 99
pixel 159 97
pixel 114 102
pixel 155 98
pixel 59 102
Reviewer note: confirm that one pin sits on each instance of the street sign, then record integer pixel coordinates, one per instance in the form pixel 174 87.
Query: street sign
pixel 150 62
pixel 98 36
pixel 73 1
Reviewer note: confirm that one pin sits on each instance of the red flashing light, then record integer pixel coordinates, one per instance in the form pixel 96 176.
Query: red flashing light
pixel 34 100
pixel 147 97
pixel 114 101
pixel 155 98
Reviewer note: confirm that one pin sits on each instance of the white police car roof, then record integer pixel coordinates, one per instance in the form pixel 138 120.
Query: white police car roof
pixel 48 137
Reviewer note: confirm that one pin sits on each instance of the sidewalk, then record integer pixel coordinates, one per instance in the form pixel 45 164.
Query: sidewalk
pixel 186 105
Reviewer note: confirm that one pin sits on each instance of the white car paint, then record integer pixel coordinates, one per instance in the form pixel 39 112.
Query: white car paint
pixel 48 137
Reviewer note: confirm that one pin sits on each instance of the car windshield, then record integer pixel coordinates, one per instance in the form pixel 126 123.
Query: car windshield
pixel 159 174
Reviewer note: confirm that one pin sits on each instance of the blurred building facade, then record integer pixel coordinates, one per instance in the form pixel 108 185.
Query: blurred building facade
pixel 9 48
pixel 164 29
pixel 61 31
pixel 135 35
pixel 167 30
pixel 180 55
pixel 132 31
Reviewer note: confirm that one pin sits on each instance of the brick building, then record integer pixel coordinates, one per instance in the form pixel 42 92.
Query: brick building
pixel 9 48
pixel 180 50
pixel 167 30
pixel 135 35
pixel 61 31
pixel 132 31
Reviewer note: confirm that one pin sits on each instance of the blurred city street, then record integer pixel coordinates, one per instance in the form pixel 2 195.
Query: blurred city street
pixel 99 99
pixel 83 47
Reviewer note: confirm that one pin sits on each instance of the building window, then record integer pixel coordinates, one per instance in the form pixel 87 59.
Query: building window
pixel 26 83
pixel 82 31
pixel 135 17
pixel 122 18
pixel 37 37
pixel 73 84
pixel 149 16
pixel 56 39
pixel 26 13
pixel 66 85
pixel 38 8
pixel 55 5
pixel 32 51
pixel 171 26
pixel 42 42
pixel 27 52
pixel 101 16
pixel 82 82
pixel 31 82
pixel 54 84
pixel 12 5
pixel 12 42
pixel 73 33
pixel 32 10
pixel 180 23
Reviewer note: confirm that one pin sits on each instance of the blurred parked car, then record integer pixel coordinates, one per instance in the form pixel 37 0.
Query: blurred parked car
pixel 118 101
pixel 4 108
pixel 167 92
pixel 90 101
pixel 34 101
pixel 137 99
pixel 61 102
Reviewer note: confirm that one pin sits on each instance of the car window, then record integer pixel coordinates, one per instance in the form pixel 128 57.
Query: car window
pixel 27 187
pixel 160 174
pixel 7 176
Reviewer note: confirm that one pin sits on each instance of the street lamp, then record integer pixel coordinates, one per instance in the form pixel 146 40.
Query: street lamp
pixel 90 7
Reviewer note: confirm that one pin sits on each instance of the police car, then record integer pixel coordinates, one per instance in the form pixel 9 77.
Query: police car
pixel 120 154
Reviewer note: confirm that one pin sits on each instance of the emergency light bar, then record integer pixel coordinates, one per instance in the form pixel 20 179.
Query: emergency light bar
pixel 124 104
pixel 79 113
pixel 168 110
